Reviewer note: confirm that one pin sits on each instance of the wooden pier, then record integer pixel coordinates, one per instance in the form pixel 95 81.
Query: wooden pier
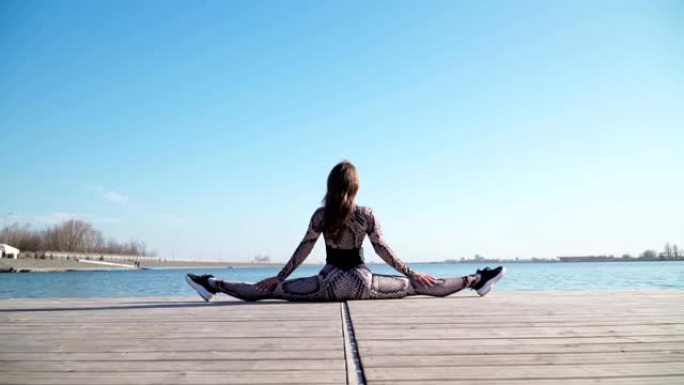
pixel 505 338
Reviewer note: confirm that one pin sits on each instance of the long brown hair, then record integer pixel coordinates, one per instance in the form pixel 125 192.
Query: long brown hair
pixel 343 184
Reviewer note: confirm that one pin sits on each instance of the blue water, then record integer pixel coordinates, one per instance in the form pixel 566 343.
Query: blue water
pixel 521 276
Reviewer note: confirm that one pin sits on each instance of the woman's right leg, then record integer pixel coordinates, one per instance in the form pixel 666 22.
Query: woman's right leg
pixel 298 289
pixel 241 290
pixel 301 289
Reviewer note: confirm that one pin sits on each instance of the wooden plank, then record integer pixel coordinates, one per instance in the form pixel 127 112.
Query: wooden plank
pixel 182 329
pixel 172 366
pixel 516 347
pixel 530 322
pixel 307 354
pixel 485 315
pixel 436 343
pixel 446 305
pixel 636 380
pixel 431 332
pixel 132 344
pixel 547 372
pixel 142 333
pixel 176 377
pixel 514 359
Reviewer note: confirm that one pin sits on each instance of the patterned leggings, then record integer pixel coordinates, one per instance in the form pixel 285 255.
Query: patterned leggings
pixel 333 284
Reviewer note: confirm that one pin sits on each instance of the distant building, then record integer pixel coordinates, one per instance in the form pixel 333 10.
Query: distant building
pixel 588 258
pixel 7 251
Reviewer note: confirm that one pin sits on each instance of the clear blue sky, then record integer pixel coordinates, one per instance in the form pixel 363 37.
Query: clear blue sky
pixel 207 129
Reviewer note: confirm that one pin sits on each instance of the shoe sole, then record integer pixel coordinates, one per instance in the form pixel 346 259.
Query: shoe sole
pixel 489 284
pixel 207 296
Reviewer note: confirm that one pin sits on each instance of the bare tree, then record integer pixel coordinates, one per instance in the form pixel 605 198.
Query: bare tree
pixel 21 237
pixel 649 254
pixel 70 235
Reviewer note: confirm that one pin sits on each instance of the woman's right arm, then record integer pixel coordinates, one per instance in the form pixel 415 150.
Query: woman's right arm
pixel 305 246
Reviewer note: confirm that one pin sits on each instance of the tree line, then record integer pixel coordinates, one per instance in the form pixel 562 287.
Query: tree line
pixel 670 251
pixel 71 235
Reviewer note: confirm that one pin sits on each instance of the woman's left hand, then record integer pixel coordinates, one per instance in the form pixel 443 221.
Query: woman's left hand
pixel 424 279
pixel 268 284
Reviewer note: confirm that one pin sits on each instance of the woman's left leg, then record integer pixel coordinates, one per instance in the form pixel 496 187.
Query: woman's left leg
pixel 361 283
pixel 446 286
pixel 393 286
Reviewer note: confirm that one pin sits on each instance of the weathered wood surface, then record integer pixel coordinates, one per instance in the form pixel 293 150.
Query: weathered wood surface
pixel 524 338
pixel 169 340
pixel 505 338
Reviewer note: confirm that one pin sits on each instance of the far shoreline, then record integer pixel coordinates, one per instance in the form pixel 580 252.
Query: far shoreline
pixel 30 265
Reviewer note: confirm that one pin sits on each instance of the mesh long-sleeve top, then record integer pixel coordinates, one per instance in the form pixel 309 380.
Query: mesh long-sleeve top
pixel 361 223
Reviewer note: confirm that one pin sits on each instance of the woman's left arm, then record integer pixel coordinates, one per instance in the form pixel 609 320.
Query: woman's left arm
pixel 301 252
pixel 387 254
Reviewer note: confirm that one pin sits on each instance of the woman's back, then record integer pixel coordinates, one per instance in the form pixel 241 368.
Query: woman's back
pixel 350 235
pixel 353 231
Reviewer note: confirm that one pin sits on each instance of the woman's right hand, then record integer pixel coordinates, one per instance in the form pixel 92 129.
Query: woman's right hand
pixel 424 279
pixel 268 284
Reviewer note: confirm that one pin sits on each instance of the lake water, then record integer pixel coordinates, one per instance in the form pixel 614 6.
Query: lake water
pixel 521 276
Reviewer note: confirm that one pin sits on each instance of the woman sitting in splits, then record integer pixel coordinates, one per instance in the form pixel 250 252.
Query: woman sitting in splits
pixel 344 226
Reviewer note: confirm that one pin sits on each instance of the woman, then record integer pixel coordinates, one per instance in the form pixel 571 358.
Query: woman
pixel 344 226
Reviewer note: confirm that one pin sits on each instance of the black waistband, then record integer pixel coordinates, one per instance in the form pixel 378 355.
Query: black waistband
pixel 344 259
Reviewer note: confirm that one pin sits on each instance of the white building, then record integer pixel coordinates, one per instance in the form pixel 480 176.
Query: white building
pixel 7 251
